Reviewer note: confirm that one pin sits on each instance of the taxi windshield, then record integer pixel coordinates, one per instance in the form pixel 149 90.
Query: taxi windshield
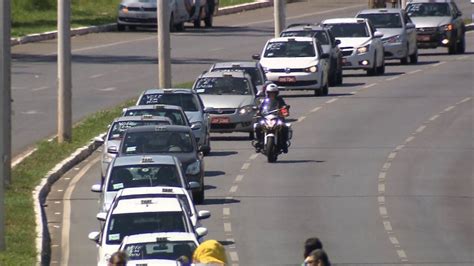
pixel 164 250
pixel 188 102
pixel 126 224
pixel 385 20
pixel 320 35
pixel 174 115
pixel 428 10
pixel 150 142
pixel 143 176
pixel 223 86
pixel 349 30
pixel 118 128
pixel 290 49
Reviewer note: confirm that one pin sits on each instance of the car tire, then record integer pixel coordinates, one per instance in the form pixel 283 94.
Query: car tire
pixel 381 69
pixel 452 48
pixel 251 135
pixel 404 60
pixel 373 70
pixel 132 27
pixel 461 46
pixel 414 57
pixel 339 77
pixel 179 26
pixel 208 20
pixel 172 26
pixel 333 74
pixel 198 196
pixel 120 27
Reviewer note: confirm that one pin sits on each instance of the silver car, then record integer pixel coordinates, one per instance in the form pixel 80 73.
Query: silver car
pixel 192 106
pixel 253 68
pixel 173 112
pixel 116 130
pixel 231 99
pixel 399 35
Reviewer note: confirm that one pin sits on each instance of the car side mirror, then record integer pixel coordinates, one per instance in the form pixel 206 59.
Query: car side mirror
pixel 195 126
pixel 410 25
pixel 201 231
pixel 256 57
pixel 338 42
pixel 112 149
pixel 378 34
pixel 94 236
pixel 204 214
pixel 101 216
pixel 96 188
pixel 194 185
pixel 99 140
pixel 324 56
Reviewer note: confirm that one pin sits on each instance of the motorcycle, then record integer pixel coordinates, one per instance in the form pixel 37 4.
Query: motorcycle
pixel 272 126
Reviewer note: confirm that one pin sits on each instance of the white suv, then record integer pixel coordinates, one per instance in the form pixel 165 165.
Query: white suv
pixel 361 44
pixel 296 63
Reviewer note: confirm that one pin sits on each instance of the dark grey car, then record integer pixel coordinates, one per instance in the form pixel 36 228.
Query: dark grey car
pixel 173 140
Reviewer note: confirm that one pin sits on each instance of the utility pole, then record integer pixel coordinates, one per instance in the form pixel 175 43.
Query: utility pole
pixel 279 16
pixel 64 72
pixel 371 3
pixel 5 111
pixel 164 52
pixel 403 4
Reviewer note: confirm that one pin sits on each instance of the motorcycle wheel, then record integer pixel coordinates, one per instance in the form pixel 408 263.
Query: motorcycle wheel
pixel 271 150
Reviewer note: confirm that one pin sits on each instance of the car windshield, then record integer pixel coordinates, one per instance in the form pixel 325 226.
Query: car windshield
pixel 181 197
pixel 143 176
pixel 349 30
pixel 126 224
pixel 223 86
pixel 320 35
pixel 118 128
pixel 428 10
pixel 290 49
pixel 174 115
pixel 253 72
pixel 164 250
pixel 152 142
pixel 188 102
pixel 386 20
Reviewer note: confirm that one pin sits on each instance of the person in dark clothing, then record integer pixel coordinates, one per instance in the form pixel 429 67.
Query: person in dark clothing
pixel 317 257
pixel 311 244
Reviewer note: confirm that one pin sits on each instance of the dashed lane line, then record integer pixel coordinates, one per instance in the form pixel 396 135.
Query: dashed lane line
pixel 40 88
pixel 420 129
pixel 440 63
pixel 301 119
pixel 227 227
pixel 226 211
pixel 234 257
pixel 245 166
pixel 239 178
pixel 393 78
pixel 414 71
pixel 96 76
pixel 433 118
pixel 449 108
pixel 331 101
pixel 370 85
pixel 233 189
pixel 315 109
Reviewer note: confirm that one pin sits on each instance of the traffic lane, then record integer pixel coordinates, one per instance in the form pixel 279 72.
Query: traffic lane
pixel 376 119
pixel 429 190
pixel 97 83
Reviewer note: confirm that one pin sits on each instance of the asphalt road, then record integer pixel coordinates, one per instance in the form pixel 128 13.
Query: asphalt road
pixel 380 170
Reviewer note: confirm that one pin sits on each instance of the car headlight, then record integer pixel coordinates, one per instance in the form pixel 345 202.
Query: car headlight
pixel 123 8
pixel 447 27
pixel 194 168
pixel 246 109
pixel 363 49
pixel 266 69
pixel 393 39
pixel 311 69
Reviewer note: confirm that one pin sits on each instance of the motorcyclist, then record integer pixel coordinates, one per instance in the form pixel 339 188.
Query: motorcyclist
pixel 272 101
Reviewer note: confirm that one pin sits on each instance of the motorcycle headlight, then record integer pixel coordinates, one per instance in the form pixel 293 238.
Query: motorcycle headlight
pixel 363 49
pixel 447 27
pixel 271 122
pixel 246 109
pixel 311 69
pixel 393 39
pixel 194 168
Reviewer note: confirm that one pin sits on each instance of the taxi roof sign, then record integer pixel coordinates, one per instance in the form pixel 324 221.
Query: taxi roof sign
pixel 147 159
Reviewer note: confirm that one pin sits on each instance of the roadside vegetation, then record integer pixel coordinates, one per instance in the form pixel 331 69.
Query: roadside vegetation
pixel 20 215
pixel 35 16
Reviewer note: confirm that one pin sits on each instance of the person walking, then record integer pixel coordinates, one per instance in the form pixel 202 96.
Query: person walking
pixel 317 257
pixel 119 258
pixel 210 252
pixel 311 244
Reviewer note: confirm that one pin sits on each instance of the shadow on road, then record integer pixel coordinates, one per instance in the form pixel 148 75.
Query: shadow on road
pixel 339 94
pixel 445 54
pixel 230 138
pixel 213 173
pixel 221 153
pixel 353 84
pixel 226 242
pixel 217 201
pixel 209 187
pixel 300 161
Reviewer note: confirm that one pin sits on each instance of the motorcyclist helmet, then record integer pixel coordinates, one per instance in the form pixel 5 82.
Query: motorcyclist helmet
pixel 272 88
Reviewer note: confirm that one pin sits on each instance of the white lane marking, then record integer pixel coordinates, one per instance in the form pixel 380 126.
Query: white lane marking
pixel 67 211
pixel 394 240
pixel 245 166
pixel 387 225
pixel 56 226
pixel 386 166
pixel 57 202
pixel 301 119
pixel 392 155
pixel 433 118
pixel 227 227
pixel 381 199
pixel 382 175
pixel 383 210
pixel 438 64
pixel 57 213
pixel 96 76
pixel 401 253
pixel 409 139
pixel 60 190
pixel 370 85
pixel 302 15
pixel 21 157
pixel 332 100
pixel 234 256
pixel 239 178
pixel 253 156
pixel 226 211
pixel 465 100
pixel 233 189
pixel 40 88
pixel 399 147
pixel 381 188
pixel 393 78
pixel 414 71
pixel 77 168
pixel 108 89
pixel 216 49
pixel 353 92
pixel 315 109
pixel 229 198
pixel 67 178
pixel 462 57
pixel 30 112
pixel 449 108
pixel 420 129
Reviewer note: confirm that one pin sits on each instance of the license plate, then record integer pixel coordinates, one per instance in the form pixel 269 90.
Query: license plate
pixel 344 60
pixel 220 120
pixel 423 38
pixel 286 79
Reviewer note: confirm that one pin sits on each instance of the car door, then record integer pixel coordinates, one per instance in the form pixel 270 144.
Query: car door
pixel 410 32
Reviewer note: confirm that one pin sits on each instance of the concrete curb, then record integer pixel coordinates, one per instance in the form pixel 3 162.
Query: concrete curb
pixel 43 240
pixel 112 26
pixel 470 27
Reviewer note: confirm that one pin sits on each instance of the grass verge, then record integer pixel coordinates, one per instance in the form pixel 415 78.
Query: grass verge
pixel 20 217
pixel 34 16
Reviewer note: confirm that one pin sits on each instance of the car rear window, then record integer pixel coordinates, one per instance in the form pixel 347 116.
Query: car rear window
pixel 188 102
pixel 349 30
pixel 149 142
pixel 290 49
pixel 118 128
pixel 428 10
pixel 174 115
pixel 320 35
pixel 385 20
pixel 223 86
